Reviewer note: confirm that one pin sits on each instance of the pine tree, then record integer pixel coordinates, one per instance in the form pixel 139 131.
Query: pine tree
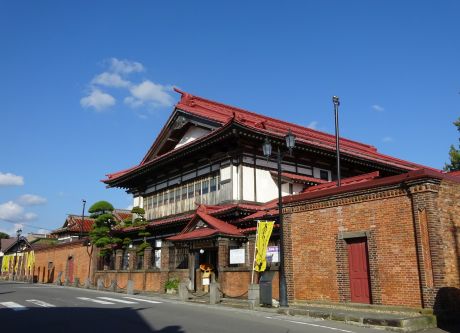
pixel 101 233
pixel 454 154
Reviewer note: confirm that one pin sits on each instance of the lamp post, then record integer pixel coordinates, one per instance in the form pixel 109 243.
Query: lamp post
pixel 16 271
pixel 336 102
pixel 82 219
pixel 267 150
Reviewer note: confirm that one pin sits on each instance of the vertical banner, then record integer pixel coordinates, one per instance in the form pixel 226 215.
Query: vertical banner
pixel 264 231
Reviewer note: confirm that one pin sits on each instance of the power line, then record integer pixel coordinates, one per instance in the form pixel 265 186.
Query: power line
pixel 28 225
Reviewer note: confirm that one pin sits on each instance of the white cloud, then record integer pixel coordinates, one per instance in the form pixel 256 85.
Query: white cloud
pixel 110 80
pixel 378 108
pixel 98 100
pixel 125 66
pixel 31 200
pixel 387 139
pixel 129 207
pixel 12 212
pixel 313 124
pixel 9 179
pixel 151 93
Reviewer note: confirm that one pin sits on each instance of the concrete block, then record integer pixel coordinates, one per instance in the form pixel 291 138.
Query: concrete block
pixel 130 287
pixel 183 291
pixel 113 285
pixel 254 294
pixel 100 284
pixel 214 293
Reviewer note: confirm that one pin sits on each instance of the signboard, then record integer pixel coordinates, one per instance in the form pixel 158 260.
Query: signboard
pixel 237 256
pixel 273 254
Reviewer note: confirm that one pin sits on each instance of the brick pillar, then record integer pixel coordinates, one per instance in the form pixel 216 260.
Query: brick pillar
pixel 132 259
pixel 164 264
pixel 118 259
pixel 223 252
pixel 148 252
pixel 251 247
pixel 428 238
pixel 165 255
pixel 288 255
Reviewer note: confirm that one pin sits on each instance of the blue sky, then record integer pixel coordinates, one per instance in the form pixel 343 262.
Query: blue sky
pixel 85 86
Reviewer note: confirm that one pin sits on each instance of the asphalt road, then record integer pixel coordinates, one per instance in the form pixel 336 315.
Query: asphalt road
pixel 44 308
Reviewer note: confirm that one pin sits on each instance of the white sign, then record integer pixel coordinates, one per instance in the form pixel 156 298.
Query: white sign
pixel 205 282
pixel 273 254
pixel 237 256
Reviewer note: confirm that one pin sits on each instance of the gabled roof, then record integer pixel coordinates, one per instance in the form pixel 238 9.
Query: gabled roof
pixel 6 243
pixel 73 223
pixel 223 115
pixel 203 225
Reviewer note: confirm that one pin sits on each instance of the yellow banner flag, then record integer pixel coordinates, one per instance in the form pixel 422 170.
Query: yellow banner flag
pixel 6 263
pixel 31 260
pixel 264 231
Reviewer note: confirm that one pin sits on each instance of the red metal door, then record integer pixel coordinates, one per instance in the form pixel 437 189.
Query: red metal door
pixel 70 269
pixel 359 270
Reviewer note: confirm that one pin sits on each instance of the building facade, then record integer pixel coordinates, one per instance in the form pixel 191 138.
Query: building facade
pixel 205 182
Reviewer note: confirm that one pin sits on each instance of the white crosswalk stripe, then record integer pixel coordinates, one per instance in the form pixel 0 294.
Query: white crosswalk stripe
pixel 117 300
pixel 40 303
pixel 143 300
pixel 14 306
pixel 94 300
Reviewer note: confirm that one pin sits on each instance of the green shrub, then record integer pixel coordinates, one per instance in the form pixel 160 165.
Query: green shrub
pixel 172 284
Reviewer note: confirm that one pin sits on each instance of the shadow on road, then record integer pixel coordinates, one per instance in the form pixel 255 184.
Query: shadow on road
pixel 69 320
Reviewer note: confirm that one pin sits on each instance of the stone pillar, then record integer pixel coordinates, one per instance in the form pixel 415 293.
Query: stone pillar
pixel 118 259
pixel 214 293
pixel 148 252
pixel 253 295
pixel 132 259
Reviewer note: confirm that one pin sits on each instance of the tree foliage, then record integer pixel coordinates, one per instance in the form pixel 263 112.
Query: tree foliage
pixel 4 236
pixel 141 222
pixel 454 153
pixel 101 233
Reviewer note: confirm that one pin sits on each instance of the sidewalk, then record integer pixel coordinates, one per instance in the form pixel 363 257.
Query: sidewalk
pixel 396 319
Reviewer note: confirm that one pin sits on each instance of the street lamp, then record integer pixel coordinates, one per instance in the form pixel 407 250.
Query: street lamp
pixel 82 219
pixel 336 102
pixel 267 150
pixel 16 271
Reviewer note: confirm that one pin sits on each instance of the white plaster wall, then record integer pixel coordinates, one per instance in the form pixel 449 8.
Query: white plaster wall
pixel 192 133
pixel 138 202
pixel 297 188
pixel 266 187
pixel 236 182
pixel 248 183
pixel 316 173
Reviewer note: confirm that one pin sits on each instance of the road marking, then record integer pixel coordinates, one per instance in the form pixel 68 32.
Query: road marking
pixel 117 300
pixel 94 300
pixel 310 324
pixel 14 306
pixel 143 300
pixel 40 303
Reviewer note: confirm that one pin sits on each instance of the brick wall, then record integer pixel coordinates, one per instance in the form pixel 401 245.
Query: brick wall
pixel 319 262
pixel 412 231
pixel 50 261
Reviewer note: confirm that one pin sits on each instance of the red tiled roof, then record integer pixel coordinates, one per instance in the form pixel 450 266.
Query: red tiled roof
pixel 454 173
pixel 345 181
pixel 225 115
pixel 214 227
pixel 370 182
pixel 73 224
pixel 301 178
